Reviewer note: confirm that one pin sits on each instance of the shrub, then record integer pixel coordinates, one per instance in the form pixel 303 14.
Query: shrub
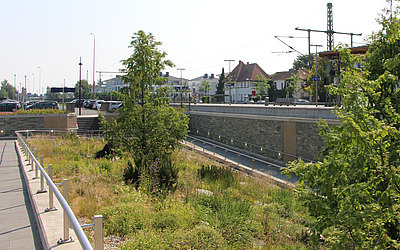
pixel 223 175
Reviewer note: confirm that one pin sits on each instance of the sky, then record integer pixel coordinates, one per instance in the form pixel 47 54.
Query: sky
pixel 45 39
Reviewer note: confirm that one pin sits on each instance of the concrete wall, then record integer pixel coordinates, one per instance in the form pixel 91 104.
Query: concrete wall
pixel 280 138
pixel 11 123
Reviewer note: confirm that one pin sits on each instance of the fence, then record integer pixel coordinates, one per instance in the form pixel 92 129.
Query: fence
pixel 255 163
pixel 68 216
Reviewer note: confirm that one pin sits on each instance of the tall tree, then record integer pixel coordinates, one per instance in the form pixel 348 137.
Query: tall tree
pixel 304 62
pixel 354 192
pixel 220 87
pixel 86 90
pixel 147 129
pixel 7 90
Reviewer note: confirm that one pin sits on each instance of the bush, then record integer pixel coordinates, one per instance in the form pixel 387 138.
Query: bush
pixel 224 176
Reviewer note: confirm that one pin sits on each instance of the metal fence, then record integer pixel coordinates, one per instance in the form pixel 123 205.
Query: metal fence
pixel 68 216
pixel 248 160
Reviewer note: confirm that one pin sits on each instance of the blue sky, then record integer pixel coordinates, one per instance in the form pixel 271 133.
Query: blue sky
pixel 197 35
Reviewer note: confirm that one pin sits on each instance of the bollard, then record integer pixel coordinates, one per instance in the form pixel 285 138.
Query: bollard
pixel 98 232
pixel 51 195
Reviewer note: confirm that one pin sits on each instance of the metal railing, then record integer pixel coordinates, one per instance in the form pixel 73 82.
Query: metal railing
pixel 266 167
pixel 68 217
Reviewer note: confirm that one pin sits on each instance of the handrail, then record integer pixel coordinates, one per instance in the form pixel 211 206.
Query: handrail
pixel 83 240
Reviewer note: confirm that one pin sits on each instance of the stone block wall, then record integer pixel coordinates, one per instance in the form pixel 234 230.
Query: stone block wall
pixel 278 138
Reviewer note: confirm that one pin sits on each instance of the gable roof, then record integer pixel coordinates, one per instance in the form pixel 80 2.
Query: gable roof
pixel 285 75
pixel 246 72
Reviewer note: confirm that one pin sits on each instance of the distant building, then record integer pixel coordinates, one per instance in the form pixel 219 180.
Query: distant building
pixel 113 84
pixel 282 79
pixel 195 84
pixel 243 77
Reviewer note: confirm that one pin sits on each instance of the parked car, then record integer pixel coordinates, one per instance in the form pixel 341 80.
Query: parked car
pixel 76 102
pixel 43 105
pixel 301 101
pixel 8 105
pixel 115 105
pixel 97 104
pixel 89 104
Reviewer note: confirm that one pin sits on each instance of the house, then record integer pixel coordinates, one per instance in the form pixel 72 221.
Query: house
pixel 195 84
pixel 281 81
pixel 240 82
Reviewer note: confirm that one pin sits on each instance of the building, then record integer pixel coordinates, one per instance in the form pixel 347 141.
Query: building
pixel 240 82
pixel 113 84
pixel 282 79
pixel 195 84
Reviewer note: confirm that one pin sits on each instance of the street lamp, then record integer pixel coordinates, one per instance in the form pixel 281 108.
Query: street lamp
pixel 316 72
pixel 15 85
pixel 39 79
pixel 80 86
pixel 230 87
pixel 94 56
pixel 181 69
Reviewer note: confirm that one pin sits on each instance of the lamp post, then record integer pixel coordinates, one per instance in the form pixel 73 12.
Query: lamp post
pixel 230 87
pixel 94 56
pixel 181 69
pixel 80 86
pixel 316 72
pixel 15 85
pixel 23 94
pixel 40 73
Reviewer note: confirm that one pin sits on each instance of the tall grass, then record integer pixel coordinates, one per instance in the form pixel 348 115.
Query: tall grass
pixel 240 213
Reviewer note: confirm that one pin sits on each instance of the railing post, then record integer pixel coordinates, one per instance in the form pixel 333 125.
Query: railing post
pixel 51 195
pixel 213 149
pixel 65 216
pixel 203 147
pixel 252 163
pixel 238 159
pixel 98 232
pixel 28 154
pixel 225 154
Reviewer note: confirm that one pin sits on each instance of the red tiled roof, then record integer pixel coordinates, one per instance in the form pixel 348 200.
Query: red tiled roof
pixel 246 72
pixel 285 75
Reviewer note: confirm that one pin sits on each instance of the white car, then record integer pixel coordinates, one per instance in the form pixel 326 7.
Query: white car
pixel 114 105
pixel 97 104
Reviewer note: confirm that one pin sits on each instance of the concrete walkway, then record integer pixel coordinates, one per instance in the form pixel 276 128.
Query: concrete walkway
pixel 18 229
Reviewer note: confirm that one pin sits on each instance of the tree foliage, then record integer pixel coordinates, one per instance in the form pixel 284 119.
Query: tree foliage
pixel 354 192
pixel 86 90
pixel 220 87
pixel 304 62
pixel 6 90
pixel 261 85
pixel 147 129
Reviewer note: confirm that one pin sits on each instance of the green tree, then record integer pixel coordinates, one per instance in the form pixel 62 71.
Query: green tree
pixel 261 85
pixel 147 129
pixel 206 87
pixel 6 90
pixel 354 191
pixel 294 86
pixel 220 88
pixel 304 62
pixel 86 90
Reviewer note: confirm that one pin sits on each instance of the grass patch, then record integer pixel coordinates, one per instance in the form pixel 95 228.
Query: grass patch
pixel 233 211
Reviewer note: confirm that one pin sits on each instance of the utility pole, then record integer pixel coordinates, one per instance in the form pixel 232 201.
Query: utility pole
pixel 230 87
pixel 181 69
pixel 40 78
pixel 15 85
pixel 330 32
pixel 94 56
pixel 316 72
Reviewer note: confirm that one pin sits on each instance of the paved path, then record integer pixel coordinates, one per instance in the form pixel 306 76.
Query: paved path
pixel 18 229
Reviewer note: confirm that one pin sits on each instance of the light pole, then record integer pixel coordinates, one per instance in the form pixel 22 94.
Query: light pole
pixel 316 72
pixel 181 69
pixel 80 85
pixel 15 85
pixel 40 73
pixel 230 87
pixel 23 94
pixel 94 57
